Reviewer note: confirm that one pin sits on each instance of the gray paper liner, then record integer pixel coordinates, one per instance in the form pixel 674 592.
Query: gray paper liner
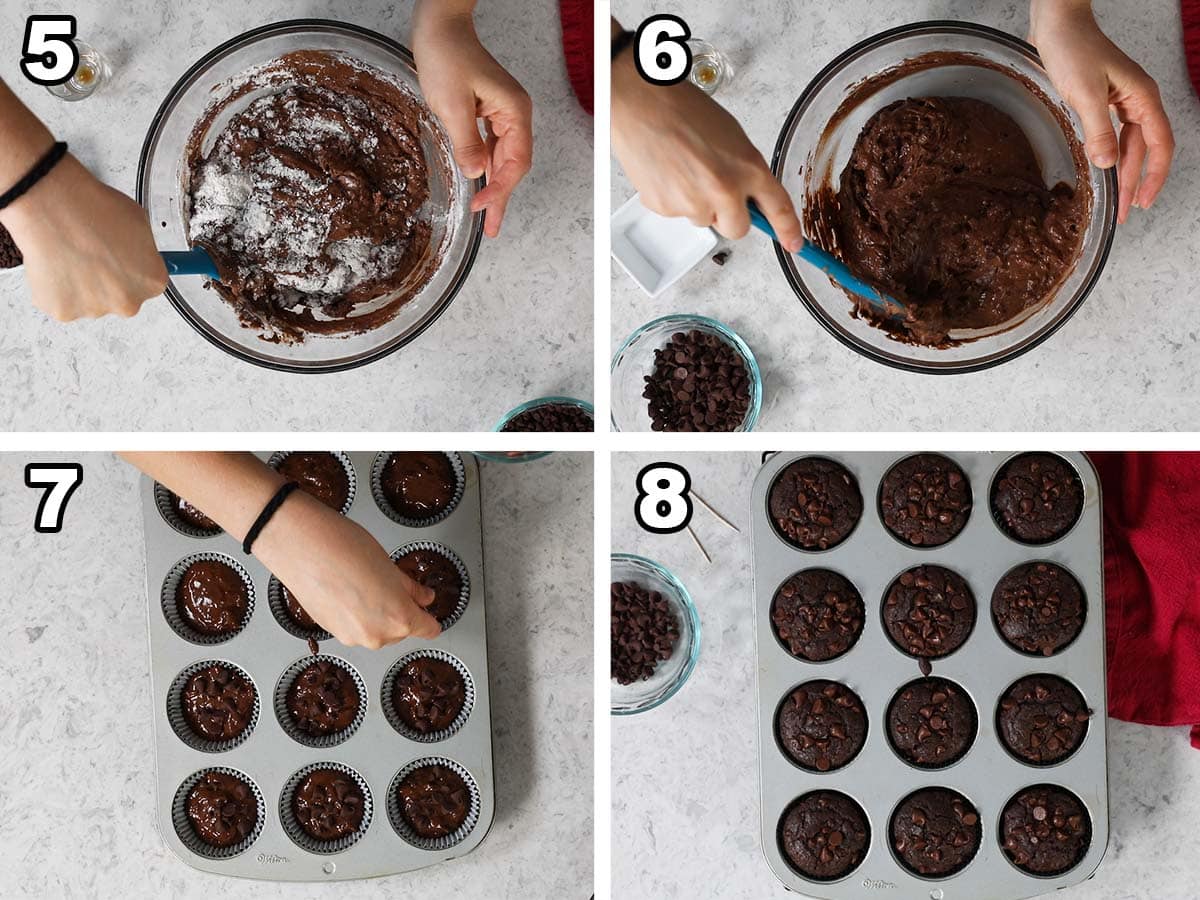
pixel 385 507
pixel 288 724
pixel 303 839
pixel 352 478
pixel 163 500
pixel 183 825
pixel 1000 521
pixel 286 622
pixel 464 596
pixel 400 824
pixel 171 610
pixel 389 710
pixel 179 723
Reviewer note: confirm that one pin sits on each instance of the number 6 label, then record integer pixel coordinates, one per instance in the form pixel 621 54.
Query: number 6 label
pixel 661 53
pixel 48 56
pixel 663 504
pixel 60 479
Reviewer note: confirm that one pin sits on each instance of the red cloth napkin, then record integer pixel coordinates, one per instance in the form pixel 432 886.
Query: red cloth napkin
pixel 1152 581
pixel 577 16
pixel 1189 10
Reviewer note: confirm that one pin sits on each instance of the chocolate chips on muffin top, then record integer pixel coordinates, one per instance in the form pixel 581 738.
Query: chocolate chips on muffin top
pixel 1038 608
pixel 1042 719
pixel 815 503
pixel 217 703
pixel 931 722
pixel 825 835
pixel 212 598
pixel 818 614
pixel 1045 830
pixel 822 725
pixel 434 801
pixel 436 571
pixel 428 694
pixel 925 500
pixel 645 631
pixel 936 832
pixel 699 383
pixel 929 611
pixel 1037 497
pixel 323 699
pixel 328 805
pixel 222 809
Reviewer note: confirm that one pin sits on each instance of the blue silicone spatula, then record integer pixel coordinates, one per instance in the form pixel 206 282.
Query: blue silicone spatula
pixel 190 262
pixel 834 268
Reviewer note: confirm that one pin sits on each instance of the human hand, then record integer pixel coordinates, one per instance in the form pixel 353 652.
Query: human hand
pixel 688 157
pixel 88 249
pixel 342 577
pixel 462 83
pixel 1093 74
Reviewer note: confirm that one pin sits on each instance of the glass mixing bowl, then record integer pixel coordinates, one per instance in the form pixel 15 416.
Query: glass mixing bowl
pixel 160 189
pixel 670 674
pixel 804 147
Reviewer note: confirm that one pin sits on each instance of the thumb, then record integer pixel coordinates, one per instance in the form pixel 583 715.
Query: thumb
pixel 424 626
pixel 423 595
pixel 470 154
pixel 1100 140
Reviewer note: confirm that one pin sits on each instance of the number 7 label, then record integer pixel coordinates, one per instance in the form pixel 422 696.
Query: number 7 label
pixel 60 480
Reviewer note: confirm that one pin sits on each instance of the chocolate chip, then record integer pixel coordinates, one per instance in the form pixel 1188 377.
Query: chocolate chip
pixel 645 631
pixel 562 417
pixel 699 383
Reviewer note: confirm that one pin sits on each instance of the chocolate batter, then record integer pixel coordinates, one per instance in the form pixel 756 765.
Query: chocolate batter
pixel 435 800
pixel 428 695
pixel 323 699
pixel 218 703
pixel 942 205
pixel 320 474
pixel 212 598
pixel 222 809
pixel 328 805
pixel 418 485
pixel 434 570
pixel 311 197
pixel 296 612
pixel 192 514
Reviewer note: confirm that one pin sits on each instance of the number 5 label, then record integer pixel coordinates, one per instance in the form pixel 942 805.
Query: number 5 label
pixel 663 503
pixel 661 53
pixel 48 56
pixel 60 480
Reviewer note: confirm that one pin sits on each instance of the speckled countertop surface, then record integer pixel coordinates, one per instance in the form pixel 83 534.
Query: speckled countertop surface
pixel 685 776
pixel 77 796
pixel 1129 354
pixel 520 328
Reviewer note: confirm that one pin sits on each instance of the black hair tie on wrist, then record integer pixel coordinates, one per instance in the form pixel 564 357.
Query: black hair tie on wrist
pixel 264 517
pixel 39 171
pixel 621 41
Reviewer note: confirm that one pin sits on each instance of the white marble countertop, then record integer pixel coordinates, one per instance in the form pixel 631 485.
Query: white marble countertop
pixel 685 776
pixel 77 795
pixel 520 328
pixel 1129 353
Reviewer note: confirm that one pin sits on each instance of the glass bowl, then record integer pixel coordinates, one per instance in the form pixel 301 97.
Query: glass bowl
pixel 805 155
pixel 161 184
pixel 544 401
pixel 671 674
pixel 511 456
pixel 635 360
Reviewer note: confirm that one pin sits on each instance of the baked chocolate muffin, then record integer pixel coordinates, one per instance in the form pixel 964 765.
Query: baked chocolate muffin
pixel 436 571
pixel 320 474
pixel 296 612
pixel 222 809
pixel 192 514
pixel 925 500
pixel 821 725
pixel 818 614
pixel 1045 830
pixel 323 699
pixel 212 598
pixel 434 800
pixel 328 805
pixel 824 835
pixel 418 485
pixel 935 832
pixel 1042 719
pixel 1038 608
pixel 217 703
pixel 929 611
pixel 815 503
pixel 1037 497
pixel 931 722
pixel 428 694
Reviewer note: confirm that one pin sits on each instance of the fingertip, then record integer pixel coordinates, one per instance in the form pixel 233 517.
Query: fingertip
pixel 1103 159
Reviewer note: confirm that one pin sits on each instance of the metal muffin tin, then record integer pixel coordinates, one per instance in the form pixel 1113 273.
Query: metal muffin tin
pixel 375 749
pixel 878 779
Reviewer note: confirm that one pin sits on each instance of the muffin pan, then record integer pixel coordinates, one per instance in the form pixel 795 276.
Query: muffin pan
pixel 877 778
pixel 372 752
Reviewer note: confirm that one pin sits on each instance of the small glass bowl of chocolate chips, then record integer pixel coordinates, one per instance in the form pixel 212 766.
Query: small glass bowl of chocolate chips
pixel 655 635
pixel 685 373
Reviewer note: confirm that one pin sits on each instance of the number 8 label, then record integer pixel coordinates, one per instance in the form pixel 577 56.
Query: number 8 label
pixel 663 504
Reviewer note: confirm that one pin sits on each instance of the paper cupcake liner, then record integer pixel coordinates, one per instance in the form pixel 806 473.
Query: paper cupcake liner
pixel 389 683
pixel 279 610
pixel 460 476
pixel 303 839
pixel 179 722
pixel 279 456
pixel 288 724
pixel 163 499
pixel 183 825
pixel 464 595
pixel 400 824
pixel 171 610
